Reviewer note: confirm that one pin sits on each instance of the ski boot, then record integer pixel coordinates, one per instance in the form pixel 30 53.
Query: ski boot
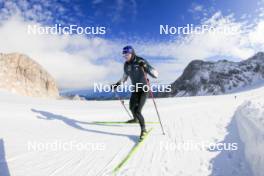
pixel 142 135
pixel 132 121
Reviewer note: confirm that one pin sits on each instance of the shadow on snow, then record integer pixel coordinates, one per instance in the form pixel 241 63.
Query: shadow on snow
pixel 4 170
pixel 231 162
pixel 76 124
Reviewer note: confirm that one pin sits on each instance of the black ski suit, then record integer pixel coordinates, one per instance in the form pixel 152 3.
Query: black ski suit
pixel 138 98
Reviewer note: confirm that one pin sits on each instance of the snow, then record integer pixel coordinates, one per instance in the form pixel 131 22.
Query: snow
pixel 70 144
pixel 250 120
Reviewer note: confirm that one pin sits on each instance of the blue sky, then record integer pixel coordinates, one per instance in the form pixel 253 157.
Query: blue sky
pixel 142 18
pixel 77 61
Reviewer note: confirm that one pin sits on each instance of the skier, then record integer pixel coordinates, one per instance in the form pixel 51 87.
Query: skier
pixel 133 69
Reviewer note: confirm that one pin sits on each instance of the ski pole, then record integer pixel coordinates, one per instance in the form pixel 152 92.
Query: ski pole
pixel 123 104
pixel 153 99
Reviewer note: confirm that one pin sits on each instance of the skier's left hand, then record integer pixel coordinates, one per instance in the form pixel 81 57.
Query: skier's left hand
pixel 114 86
pixel 141 63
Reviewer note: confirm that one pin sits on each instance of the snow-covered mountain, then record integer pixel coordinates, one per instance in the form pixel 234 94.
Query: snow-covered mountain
pixel 90 94
pixel 213 78
pixel 201 78
pixel 40 137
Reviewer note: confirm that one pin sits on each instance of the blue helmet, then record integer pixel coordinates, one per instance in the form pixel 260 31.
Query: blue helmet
pixel 128 49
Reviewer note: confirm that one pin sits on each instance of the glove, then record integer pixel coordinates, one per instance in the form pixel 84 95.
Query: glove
pixel 114 86
pixel 142 63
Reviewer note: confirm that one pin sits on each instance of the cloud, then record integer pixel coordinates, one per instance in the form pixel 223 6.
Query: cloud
pixel 246 41
pixel 78 61
pixel 118 10
pixel 75 61
pixel 43 11
pixel 74 68
pixel 260 10
pixel 198 8
pixel 256 36
pixel 198 11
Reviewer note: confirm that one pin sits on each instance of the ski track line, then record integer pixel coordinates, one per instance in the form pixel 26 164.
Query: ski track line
pixel 56 169
pixel 91 163
pixel 97 162
pixel 141 160
pixel 152 157
pixel 142 157
pixel 64 165
pixel 29 160
pixel 19 156
pixel 79 162
pixel 50 165
pixel 28 165
pixel 149 156
pixel 104 170
pixel 131 154
pixel 86 162
pixel 91 167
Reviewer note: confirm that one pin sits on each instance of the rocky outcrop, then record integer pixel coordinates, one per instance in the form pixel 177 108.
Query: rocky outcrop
pixel 213 78
pixel 22 75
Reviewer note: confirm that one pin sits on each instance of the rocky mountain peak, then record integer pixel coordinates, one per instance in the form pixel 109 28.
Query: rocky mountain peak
pixel 20 74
